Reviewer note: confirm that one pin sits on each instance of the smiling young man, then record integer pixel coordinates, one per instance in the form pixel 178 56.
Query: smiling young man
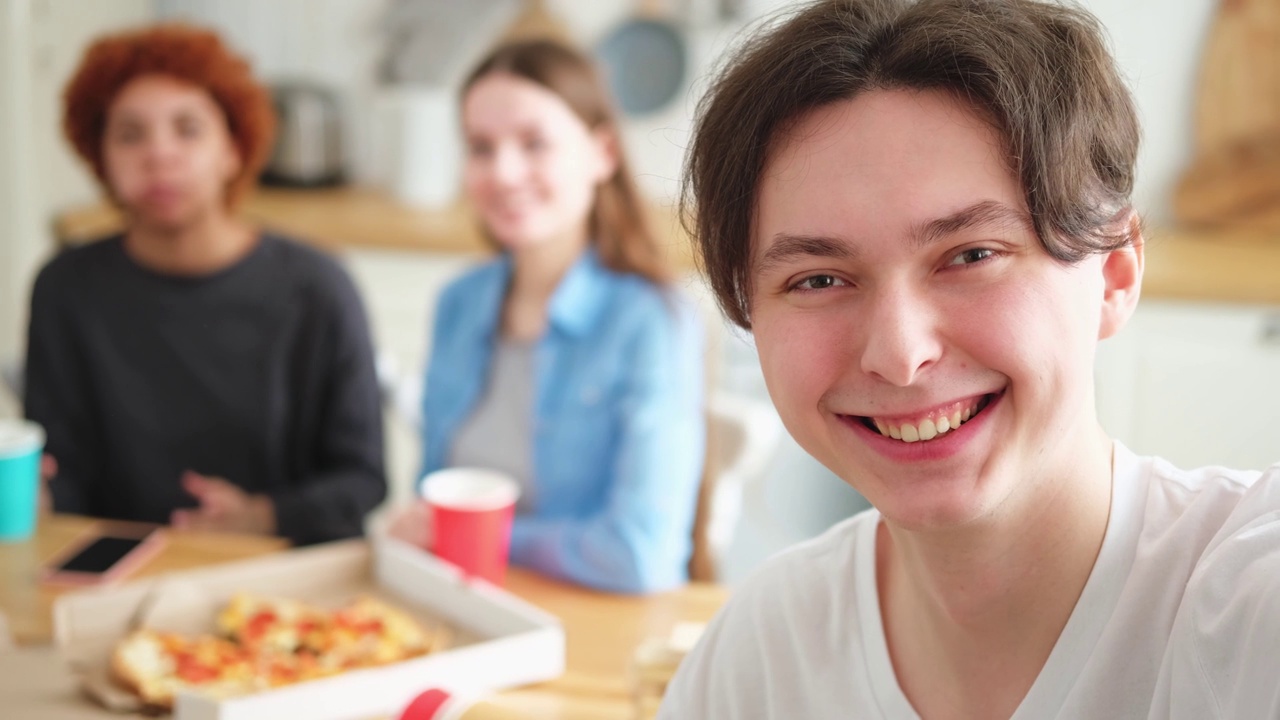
pixel 940 235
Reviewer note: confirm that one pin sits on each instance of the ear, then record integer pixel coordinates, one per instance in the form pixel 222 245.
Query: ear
pixel 231 162
pixel 1122 273
pixel 607 152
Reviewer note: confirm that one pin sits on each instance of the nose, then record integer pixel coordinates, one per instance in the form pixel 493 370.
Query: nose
pixel 509 166
pixel 901 337
pixel 160 149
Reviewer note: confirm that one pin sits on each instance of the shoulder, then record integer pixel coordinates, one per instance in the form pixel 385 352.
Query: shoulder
pixel 72 267
pixel 661 317
pixel 482 276
pixel 305 263
pixel 1243 555
pixel 809 577
pixel 315 274
pixel 1214 521
pixel 792 621
pixel 468 298
pixel 647 299
pixel 1229 620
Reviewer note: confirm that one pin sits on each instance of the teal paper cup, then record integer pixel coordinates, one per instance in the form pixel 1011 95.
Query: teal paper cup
pixel 21 443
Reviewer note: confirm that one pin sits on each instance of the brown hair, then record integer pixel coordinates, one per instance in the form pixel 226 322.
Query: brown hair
pixel 186 53
pixel 1040 72
pixel 617 224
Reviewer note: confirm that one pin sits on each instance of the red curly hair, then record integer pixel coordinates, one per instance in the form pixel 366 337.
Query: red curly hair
pixel 183 52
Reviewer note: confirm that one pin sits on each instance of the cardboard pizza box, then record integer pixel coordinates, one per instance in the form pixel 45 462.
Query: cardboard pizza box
pixel 497 640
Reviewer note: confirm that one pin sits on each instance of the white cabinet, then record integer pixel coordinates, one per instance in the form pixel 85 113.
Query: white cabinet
pixel 1198 384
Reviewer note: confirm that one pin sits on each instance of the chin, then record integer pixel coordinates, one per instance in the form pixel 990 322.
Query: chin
pixel 935 515
pixel 925 502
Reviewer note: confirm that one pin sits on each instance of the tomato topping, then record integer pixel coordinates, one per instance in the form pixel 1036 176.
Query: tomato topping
pixel 259 623
pixel 192 670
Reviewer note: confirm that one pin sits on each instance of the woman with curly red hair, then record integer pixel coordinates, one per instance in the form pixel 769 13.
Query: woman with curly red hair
pixel 195 369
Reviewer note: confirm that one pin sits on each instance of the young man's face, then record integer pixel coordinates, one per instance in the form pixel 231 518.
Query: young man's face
pixel 899 290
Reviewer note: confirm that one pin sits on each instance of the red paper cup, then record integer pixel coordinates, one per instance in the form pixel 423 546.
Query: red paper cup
pixel 471 510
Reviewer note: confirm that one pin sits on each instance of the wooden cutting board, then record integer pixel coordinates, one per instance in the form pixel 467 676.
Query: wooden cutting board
pixel 1234 178
pixel 1239 87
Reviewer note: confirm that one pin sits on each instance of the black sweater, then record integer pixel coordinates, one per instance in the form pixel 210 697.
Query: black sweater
pixel 262 373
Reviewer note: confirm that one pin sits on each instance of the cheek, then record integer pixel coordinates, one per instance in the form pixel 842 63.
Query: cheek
pixel 801 357
pixel 119 168
pixel 1040 331
pixel 570 180
pixel 473 180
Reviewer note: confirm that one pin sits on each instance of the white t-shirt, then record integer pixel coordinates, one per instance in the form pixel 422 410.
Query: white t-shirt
pixel 1180 617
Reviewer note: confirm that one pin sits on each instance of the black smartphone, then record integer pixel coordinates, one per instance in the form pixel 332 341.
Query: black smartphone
pixel 104 554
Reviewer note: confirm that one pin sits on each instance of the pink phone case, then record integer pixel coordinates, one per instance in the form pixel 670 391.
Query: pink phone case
pixel 153 543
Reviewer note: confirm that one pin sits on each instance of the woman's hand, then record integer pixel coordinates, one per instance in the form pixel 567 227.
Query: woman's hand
pixel 224 507
pixel 48 468
pixel 412 524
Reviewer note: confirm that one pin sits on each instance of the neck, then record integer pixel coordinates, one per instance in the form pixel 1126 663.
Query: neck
pixel 212 243
pixel 975 612
pixel 537 270
pixel 536 273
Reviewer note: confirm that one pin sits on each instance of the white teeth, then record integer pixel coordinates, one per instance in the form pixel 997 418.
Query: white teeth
pixel 928 430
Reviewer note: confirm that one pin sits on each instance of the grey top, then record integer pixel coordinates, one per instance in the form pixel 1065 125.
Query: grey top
pixel 499 433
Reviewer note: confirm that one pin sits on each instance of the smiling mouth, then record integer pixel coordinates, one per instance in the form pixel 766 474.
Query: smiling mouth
pixel 928 427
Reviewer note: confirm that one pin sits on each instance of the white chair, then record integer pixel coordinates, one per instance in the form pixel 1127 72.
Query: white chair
pixel 742 437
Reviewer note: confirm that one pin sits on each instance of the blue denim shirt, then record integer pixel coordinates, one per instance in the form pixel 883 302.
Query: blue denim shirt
pixel 619 425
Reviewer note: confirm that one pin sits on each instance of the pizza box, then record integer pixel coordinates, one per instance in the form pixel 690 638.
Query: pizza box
pixel 497 639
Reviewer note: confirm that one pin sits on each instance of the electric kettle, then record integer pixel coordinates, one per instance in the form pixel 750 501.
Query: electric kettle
pixel 308 151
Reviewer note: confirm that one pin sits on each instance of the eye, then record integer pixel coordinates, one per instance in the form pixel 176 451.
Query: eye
pixel 479 149
pixel 535 143
pixel 189 128
pixel 127 134
pixel 972 256
pixel 815 283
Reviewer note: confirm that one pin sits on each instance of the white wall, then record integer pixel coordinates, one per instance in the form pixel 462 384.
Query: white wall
pixel 1157 42
pixel 41 42
pixel 17 222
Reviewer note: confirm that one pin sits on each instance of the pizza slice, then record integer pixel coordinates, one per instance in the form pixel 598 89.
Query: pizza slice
pixel 370 632
pixel 275 624
pixel 156 665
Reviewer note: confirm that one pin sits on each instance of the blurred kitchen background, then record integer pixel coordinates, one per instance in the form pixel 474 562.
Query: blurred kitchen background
pixel 367 91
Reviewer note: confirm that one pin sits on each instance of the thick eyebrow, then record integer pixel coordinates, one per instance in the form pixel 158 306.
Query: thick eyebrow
pixel 985 213
pixel 786 247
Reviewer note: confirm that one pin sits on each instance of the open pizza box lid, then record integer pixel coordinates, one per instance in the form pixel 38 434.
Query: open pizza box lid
pixel 497 640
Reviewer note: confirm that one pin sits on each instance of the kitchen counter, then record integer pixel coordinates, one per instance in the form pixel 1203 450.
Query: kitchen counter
pixel 358 218
pixel 1210 266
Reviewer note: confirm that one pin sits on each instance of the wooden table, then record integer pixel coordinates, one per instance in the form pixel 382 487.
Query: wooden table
pixel 28 605
pixel 601 630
